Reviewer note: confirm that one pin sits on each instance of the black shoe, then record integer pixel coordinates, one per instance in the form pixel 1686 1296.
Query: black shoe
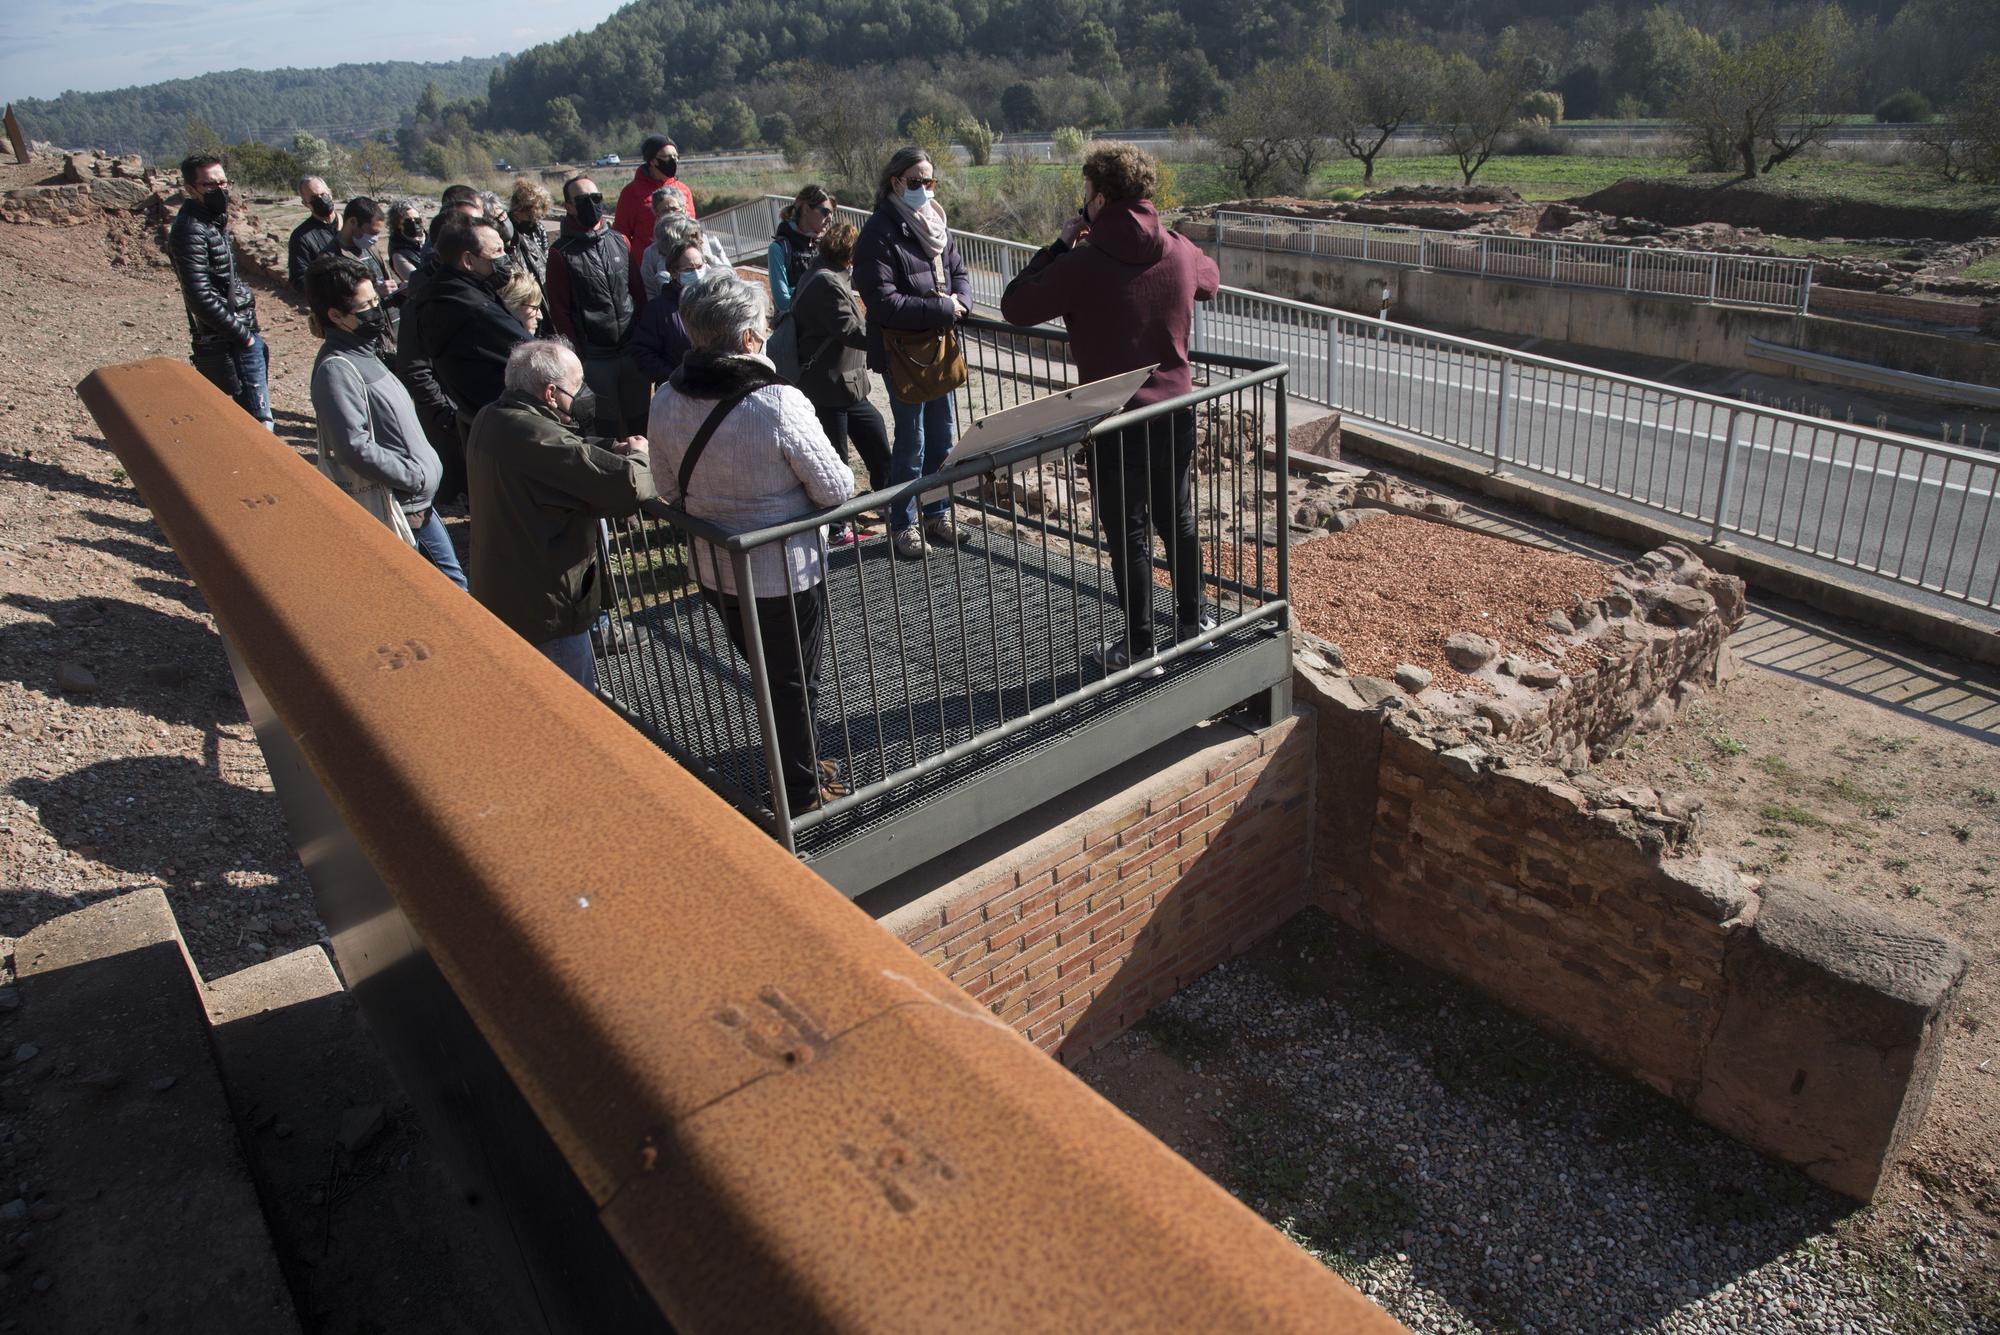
pixel 1202 625
pixel 1111 657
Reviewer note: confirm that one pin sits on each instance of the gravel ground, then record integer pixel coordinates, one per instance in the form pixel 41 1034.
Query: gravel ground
pixel 1470 1174
pixel 1392 590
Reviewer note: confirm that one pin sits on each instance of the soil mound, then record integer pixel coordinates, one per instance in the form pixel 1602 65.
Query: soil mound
pixel 1678 204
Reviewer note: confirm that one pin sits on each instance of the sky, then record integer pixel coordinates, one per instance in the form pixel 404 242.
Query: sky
pixel 49 46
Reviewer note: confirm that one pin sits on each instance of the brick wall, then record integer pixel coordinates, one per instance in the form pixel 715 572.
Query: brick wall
pixel 1074 937
pixel 1793 1018
pixel 1889 305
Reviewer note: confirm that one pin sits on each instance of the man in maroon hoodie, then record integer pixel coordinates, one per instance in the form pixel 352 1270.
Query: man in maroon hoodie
pixel 1127 298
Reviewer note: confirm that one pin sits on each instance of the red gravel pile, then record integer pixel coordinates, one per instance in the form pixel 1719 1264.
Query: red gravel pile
pixel 1391 590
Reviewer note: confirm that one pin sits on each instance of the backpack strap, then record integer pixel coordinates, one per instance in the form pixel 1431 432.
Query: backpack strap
pixel 708 426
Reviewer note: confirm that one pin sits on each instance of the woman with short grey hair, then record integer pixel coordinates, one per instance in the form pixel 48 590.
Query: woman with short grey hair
pixel 735 445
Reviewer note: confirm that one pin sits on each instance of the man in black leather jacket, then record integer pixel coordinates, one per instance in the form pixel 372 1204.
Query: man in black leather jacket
pixel 590 300
pixel 221 311
pixel 465 329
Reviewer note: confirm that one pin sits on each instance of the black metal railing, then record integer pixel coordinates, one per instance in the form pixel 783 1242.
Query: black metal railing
pixel 901 679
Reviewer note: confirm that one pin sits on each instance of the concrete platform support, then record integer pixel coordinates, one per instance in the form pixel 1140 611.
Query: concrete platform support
pixel 1073 937
pixel 136 1208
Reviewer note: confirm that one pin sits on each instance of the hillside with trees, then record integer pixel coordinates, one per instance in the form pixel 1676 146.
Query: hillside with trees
pixel 344 102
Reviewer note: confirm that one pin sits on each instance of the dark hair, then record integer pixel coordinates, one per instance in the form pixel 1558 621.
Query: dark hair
pixel 836 245
pixel 459 237
pixel 811 197
pixel 1122 172
pixel 651 148
pixel 363 210
pixel 456 195
pixel 196 163
pixel 899 166
pixel 332 281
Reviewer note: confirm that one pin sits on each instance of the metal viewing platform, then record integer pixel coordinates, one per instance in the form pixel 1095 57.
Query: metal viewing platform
pixel 954 691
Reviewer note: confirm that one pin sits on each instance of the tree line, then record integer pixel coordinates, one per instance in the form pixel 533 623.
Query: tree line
pixel 348 102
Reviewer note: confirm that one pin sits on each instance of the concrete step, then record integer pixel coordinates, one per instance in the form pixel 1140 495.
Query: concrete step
pixel 370 1230
pixel 127 1201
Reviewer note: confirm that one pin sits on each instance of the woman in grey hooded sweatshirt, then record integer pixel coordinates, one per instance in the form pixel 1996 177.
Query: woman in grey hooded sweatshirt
pixel 369 433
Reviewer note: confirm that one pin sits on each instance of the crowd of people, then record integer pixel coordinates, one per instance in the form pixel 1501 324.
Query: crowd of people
pixel 551 385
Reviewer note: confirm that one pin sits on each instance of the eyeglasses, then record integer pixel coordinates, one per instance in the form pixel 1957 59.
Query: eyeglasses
pixel 595 197
pixel 920 183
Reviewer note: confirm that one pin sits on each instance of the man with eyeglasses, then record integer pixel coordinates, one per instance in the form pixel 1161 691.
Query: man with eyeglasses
pixel 590 300
pixel 221 310
pixel 659 165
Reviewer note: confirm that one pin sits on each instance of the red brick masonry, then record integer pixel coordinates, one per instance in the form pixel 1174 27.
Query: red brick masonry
pixel 1073 938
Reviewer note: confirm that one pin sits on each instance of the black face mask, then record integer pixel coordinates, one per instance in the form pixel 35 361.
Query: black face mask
pixel 503 269
pixel 588 213
pixel 216 200
pixel 371 324
pixel 582 407
pixel 668 167
pixel 323 205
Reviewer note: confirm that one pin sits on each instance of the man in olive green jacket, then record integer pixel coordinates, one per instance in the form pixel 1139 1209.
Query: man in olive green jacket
pixel 538 490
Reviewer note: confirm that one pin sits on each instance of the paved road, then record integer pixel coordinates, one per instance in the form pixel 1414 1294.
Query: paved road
pixel 1804 489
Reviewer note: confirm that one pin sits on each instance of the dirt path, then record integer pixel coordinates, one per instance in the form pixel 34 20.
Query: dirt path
pixel 127 757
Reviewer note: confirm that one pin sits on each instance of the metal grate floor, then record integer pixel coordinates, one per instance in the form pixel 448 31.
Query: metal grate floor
pixel 919 656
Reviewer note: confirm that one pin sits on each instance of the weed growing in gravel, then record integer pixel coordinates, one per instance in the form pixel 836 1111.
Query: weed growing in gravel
pixel 1182 1039
pixel 1962 833
pixel 1847 790
pixel 1895 745
pixel 1726 745
pixel 1986 795
pixel 1697 770
pixel 1262 1167
pixel 1790 813
pixel 1781 769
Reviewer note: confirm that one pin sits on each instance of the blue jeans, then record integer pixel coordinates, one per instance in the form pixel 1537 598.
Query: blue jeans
pixel 436 546
pixel 923 438
pixel 242 371
pixel 571 653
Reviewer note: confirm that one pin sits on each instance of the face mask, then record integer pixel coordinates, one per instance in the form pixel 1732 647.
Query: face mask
pixel 216 200
pixel 588 213
pixel 323 205
pixel 669 167
pixel 371 324
pixel 582 407
pixel 506 226
pixel 916 199
pixel 690 277
pixel 503 269
pixel 364 241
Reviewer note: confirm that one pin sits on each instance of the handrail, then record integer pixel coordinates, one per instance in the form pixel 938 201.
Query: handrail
pixel 783 1117
pixel 1644 269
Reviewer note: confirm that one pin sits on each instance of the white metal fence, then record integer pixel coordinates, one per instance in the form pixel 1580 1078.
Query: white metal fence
pixel 1916 513
pixel 1749 280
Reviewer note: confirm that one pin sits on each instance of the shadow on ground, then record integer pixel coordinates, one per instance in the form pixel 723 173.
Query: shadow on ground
pixel 1420 1139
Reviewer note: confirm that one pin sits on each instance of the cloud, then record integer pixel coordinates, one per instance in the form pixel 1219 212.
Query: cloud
pixel 132 14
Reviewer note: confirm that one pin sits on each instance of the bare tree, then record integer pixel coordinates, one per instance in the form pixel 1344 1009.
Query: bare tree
pixel 1387 85
pixel 1310 94
pixel 1250 137
pixel 1769 99
pixel 844 121
pixel 1476 107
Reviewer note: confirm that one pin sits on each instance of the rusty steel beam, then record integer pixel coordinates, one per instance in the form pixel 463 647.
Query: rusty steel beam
pixel 784 1118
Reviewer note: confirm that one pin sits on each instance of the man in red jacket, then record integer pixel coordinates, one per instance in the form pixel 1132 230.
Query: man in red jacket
pixel 1125 287
pixel 660 164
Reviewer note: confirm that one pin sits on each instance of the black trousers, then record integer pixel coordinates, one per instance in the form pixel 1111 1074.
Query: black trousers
pixel 1142 480
pixel 792 631
pixel 862 424
pixel 621 392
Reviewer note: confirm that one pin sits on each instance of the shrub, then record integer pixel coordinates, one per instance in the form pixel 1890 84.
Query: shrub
pixel 977 136
pixel 1544 104
pixel 1066 142
pixel 775 128
pixel 1537 139
pixel 1904 107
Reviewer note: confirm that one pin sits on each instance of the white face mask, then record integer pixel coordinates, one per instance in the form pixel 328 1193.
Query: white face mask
pixel 916 199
